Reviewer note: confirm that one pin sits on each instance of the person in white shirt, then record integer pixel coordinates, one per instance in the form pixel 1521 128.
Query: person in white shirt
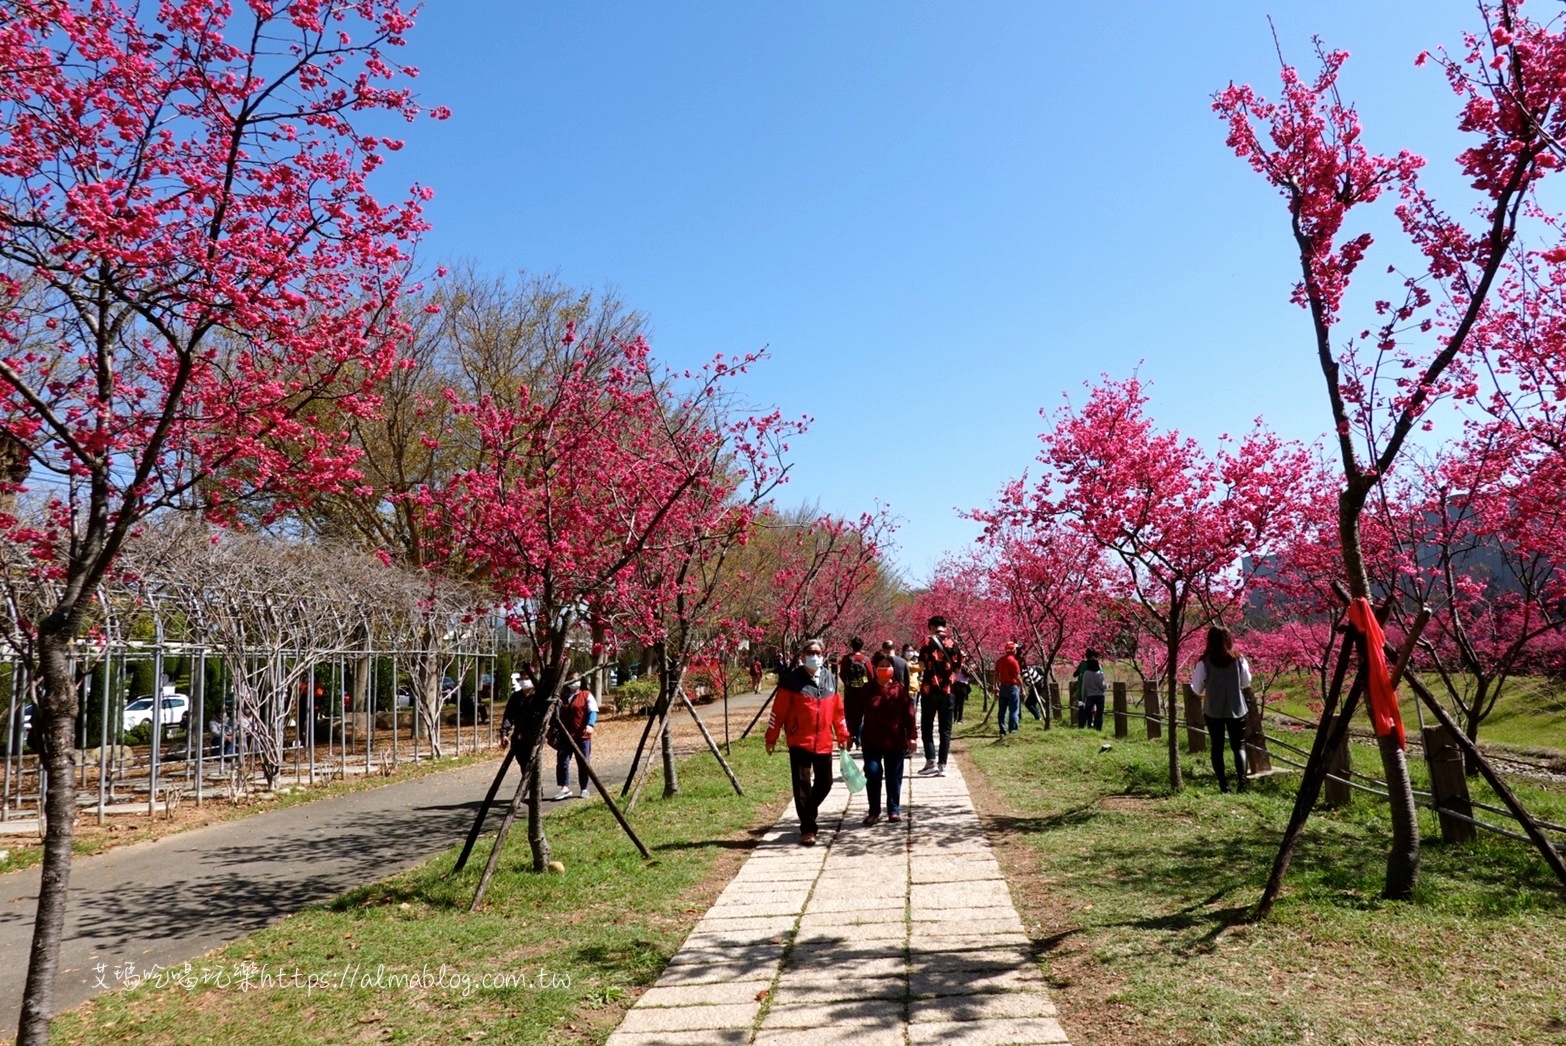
pixel 1221 676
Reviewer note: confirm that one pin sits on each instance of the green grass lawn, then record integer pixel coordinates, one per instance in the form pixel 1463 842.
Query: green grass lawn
pixel 578 944
pixel 1133 897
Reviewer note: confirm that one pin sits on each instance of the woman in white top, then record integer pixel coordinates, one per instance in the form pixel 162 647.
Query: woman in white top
pixel 1221 677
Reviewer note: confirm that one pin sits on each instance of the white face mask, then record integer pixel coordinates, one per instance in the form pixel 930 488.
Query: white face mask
pixel 813 662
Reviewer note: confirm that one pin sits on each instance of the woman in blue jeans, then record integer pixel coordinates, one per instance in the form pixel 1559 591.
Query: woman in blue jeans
pixel 890 733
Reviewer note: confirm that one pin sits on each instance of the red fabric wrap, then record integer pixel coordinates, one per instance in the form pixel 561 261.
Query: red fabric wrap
pixel 1385 716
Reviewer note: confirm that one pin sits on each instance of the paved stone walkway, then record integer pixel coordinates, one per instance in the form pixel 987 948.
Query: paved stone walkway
pixel 895 934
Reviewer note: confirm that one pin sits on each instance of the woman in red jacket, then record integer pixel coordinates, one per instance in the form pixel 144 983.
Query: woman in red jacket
pixel 809 710
pixel 889 734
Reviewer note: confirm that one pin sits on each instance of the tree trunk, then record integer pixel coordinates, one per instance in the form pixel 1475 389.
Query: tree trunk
pixel 1172 682
pixel 536 839
pixel 671 673
pixel 1403 861
pixel 56 711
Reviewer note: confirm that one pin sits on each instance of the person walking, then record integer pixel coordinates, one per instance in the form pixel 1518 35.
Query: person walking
pixel 889 733
pixel 755 674
pixel 938 660
pixel 854 672
pixel 578 714
pixel 1221 677
pixel 1008 688
pixel 808 710
pixel 522 690
pixel 1089 682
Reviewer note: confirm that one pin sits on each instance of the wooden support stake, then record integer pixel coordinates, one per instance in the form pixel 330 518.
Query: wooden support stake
pixel 1547 849
pixel 1449 784
pixel 1340 762
pixel 1150 709
pixel 592 776
pixel 1195 722
pixel 759 713
pixel 728 771
pixel 489 797
pixel 1257 757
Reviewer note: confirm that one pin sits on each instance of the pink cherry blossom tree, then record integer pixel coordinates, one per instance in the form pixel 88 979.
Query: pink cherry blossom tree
pixel 1422 343
pixel 1186 528
pixel 575 482
pixel 191 266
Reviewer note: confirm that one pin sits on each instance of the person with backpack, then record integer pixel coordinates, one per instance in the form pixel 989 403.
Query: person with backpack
pixel 1008 690
pixel 578 714
pixel 1088 685
pixel 1221 677
pixel 890 734
pixel 808 711
pixel 854 671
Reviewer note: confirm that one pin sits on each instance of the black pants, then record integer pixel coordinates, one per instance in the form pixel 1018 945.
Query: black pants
pixel 931 707
pixel 1235 728
pixel 812 781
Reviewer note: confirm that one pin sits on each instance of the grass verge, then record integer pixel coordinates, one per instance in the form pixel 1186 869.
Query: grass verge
pixel 574 947
pixel 1133 897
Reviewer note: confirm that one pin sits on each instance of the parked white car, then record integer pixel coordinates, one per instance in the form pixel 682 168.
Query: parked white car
pixel 173 710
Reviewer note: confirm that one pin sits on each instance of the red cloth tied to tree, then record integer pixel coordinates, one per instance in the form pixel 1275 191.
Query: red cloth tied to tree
pixel 1385 716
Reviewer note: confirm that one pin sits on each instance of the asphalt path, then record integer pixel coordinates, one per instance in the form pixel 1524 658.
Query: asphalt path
pixel 173 899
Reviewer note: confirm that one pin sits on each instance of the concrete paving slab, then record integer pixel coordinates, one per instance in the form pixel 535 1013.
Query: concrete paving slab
pixel 875 1013
pixel 842 1036
pixel 973 942
pixel 721 1037
pixel 712 993
pixel 795 990
pixel 832 924
pixel 681 1019
pixel 983 1006
pixel 968 927
pixel 809 965
pixel 924 983
pixel 1024 1032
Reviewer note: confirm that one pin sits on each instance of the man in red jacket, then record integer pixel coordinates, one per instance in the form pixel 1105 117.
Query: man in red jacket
pixel 1008 687
pixel 809 710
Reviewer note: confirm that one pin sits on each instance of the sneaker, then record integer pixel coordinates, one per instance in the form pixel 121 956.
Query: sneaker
pixel 871 819
pixel 807 838
pixel 940 771
pixel 586 794
pixel 564 793
pixel 928 767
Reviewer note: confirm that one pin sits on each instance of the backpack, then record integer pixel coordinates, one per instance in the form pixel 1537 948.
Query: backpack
pixel 855 673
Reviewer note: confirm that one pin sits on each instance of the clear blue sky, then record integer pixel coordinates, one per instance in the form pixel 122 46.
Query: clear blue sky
pixel 939 217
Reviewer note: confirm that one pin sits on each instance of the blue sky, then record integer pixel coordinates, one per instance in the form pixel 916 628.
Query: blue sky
pixel 939 218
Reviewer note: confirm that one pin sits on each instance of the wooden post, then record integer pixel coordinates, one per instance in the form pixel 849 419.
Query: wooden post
pixel 1195 723
pixel 1337 792
pixel 1054 700
pixel 1449 783
pixel 1122 723
pixel 1150 705
pixel 1256 754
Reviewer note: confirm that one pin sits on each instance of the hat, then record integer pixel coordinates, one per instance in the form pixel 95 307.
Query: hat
pixel 1011 648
